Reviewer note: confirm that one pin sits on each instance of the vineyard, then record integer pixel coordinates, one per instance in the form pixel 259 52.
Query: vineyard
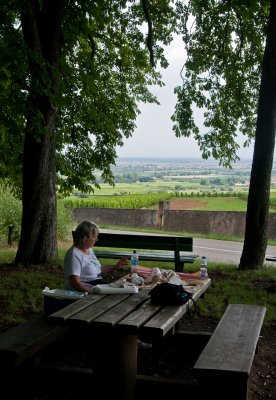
pixel 212 201
pixel 124 201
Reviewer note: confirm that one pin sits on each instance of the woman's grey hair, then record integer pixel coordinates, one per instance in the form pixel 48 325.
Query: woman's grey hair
pixel 84 230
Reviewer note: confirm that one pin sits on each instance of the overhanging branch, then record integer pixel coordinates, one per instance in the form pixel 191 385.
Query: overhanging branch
pixel 150 31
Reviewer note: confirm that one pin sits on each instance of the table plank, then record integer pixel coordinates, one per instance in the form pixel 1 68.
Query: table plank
pixel 90 313
pixel 165 320
pixel 65 313
pixel 115 314
pixel 135 320
pixel 201 285
pixel 161 323
pixel 155 321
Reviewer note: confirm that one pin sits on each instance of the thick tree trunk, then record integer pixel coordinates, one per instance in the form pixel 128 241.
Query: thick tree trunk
pixel 41 24
pixel 255 242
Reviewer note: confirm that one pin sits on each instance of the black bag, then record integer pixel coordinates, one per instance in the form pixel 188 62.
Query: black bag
pixel 168 294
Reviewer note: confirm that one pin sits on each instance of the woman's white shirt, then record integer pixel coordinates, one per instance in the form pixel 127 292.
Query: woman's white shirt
pixel 86 266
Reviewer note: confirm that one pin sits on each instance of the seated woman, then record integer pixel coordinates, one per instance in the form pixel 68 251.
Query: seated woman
pixel 82 269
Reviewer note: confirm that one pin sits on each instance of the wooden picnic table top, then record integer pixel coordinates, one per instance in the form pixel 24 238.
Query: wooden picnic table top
pixel 116 320
pixel 127 312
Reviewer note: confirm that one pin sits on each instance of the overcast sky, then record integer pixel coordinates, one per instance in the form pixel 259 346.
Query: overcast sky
pixel 154 136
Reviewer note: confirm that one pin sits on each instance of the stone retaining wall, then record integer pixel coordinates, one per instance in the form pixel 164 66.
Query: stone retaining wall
pixel 225 223
pixel 118 216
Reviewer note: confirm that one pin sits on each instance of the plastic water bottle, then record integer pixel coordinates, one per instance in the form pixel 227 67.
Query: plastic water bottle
pixel 203 268
pixel 134 262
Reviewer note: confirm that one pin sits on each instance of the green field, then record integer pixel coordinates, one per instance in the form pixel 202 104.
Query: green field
pixel 215 204
pixel 158 186
pixel 141 187
pixel 192 201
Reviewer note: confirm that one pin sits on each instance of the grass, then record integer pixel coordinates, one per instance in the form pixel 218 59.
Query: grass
pixel 141 187
pixel 216 203
pixel 21 297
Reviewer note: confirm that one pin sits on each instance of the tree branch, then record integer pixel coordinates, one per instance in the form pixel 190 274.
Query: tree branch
pixel 150 31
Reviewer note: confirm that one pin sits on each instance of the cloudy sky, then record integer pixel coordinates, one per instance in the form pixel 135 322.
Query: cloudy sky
pixel 154 136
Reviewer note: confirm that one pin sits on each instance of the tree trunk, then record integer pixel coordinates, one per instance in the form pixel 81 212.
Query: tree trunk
pixel 41 25
pixel 255 242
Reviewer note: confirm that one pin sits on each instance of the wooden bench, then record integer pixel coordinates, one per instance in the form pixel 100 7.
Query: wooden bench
pixel 271 258
pixel 224 366
pixel 174 244
pixel 24 341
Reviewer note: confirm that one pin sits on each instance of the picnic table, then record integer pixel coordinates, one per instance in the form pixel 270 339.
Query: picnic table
pixel 112 324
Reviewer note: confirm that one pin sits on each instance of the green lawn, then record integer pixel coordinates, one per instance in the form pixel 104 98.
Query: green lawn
pixel 215 203
pixel 229 285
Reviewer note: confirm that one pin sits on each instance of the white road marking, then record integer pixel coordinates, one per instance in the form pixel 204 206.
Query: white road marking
pixel 211 248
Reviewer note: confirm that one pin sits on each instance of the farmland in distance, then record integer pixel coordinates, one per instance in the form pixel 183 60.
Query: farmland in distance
pixel 188 183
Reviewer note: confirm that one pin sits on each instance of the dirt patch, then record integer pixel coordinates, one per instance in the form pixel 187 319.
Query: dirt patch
pixel 187 204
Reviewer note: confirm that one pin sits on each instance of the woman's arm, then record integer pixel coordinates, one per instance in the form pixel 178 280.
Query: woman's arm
pixel 78 285
pixel 120 264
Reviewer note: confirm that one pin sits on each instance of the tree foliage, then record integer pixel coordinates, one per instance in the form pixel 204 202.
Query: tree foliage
pixel 11 214
pixel 230 74
pixel 72 73
pixel 104 70
pixel 224 41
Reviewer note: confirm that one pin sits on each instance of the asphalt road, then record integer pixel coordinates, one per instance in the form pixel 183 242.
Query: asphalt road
pixel 217 250
pixel 225 251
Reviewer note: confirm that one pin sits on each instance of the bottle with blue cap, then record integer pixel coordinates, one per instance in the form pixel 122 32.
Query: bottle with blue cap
pixel 203 268
pixel 134 261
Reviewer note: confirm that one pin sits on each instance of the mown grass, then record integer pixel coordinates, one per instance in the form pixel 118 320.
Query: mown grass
pixel 21 289
pixel 214 203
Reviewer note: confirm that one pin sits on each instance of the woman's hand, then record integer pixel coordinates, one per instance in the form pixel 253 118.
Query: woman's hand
pixel 121 263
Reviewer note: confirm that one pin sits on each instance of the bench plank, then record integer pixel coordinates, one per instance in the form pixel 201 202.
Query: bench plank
pixel 271 258
pixel 164 257
pixel 172 244
pixel 26 340
pixel 141 241
pixel 233 344
pixel 224 366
